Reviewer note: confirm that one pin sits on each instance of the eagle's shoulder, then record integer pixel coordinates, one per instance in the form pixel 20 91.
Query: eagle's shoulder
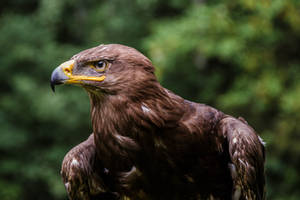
pixel 200 117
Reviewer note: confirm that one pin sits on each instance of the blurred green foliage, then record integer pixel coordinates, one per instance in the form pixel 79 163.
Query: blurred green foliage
pixel 239 56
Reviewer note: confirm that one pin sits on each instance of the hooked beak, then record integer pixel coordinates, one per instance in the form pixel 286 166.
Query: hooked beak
pixel 58 76
pixel 63 74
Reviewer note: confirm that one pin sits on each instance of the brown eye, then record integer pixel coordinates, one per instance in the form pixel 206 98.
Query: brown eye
pixel 100 65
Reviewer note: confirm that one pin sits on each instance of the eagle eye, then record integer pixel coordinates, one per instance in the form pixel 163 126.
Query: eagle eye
pixel 100 65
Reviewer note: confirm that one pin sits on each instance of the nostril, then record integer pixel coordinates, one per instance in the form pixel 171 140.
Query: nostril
pixel 67 71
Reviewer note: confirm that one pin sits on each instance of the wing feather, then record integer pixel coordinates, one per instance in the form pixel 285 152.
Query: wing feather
pixel 247 154
pixel 81 176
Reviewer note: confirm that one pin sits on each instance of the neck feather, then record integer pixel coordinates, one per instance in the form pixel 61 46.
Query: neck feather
pixel 123 119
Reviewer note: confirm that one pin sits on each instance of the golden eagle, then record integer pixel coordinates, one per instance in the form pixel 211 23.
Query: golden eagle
pixel 149 143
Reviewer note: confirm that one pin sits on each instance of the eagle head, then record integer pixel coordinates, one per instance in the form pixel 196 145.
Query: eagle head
pixel 107 69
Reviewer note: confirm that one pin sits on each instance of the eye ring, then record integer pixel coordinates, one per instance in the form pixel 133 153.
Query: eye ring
pixel 100 66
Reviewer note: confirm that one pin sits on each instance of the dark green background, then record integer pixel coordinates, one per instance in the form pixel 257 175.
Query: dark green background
pixel 240 56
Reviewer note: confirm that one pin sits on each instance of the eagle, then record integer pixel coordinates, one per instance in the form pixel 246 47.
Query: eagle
pixel 149 143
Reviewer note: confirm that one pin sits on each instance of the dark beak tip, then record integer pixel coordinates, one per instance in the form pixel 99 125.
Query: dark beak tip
pixel 54 83
pixel 57 78
pixel 52 86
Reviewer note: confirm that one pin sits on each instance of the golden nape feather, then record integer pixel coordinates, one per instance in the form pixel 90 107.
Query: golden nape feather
pixel 149 143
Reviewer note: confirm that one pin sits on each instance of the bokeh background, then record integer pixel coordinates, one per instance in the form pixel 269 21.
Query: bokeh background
pixel 241 56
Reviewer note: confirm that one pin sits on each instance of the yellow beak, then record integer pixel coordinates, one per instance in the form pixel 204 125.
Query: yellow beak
pixel 63 74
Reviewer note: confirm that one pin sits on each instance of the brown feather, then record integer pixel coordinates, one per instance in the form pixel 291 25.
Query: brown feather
pixel 83 176
pixel 156 145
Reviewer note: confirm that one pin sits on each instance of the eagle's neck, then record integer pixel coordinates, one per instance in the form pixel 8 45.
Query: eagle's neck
pixel 121 122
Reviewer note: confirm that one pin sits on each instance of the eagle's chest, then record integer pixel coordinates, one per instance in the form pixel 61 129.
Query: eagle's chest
pixel 183 168
pixel 173 160
pixel 190 173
